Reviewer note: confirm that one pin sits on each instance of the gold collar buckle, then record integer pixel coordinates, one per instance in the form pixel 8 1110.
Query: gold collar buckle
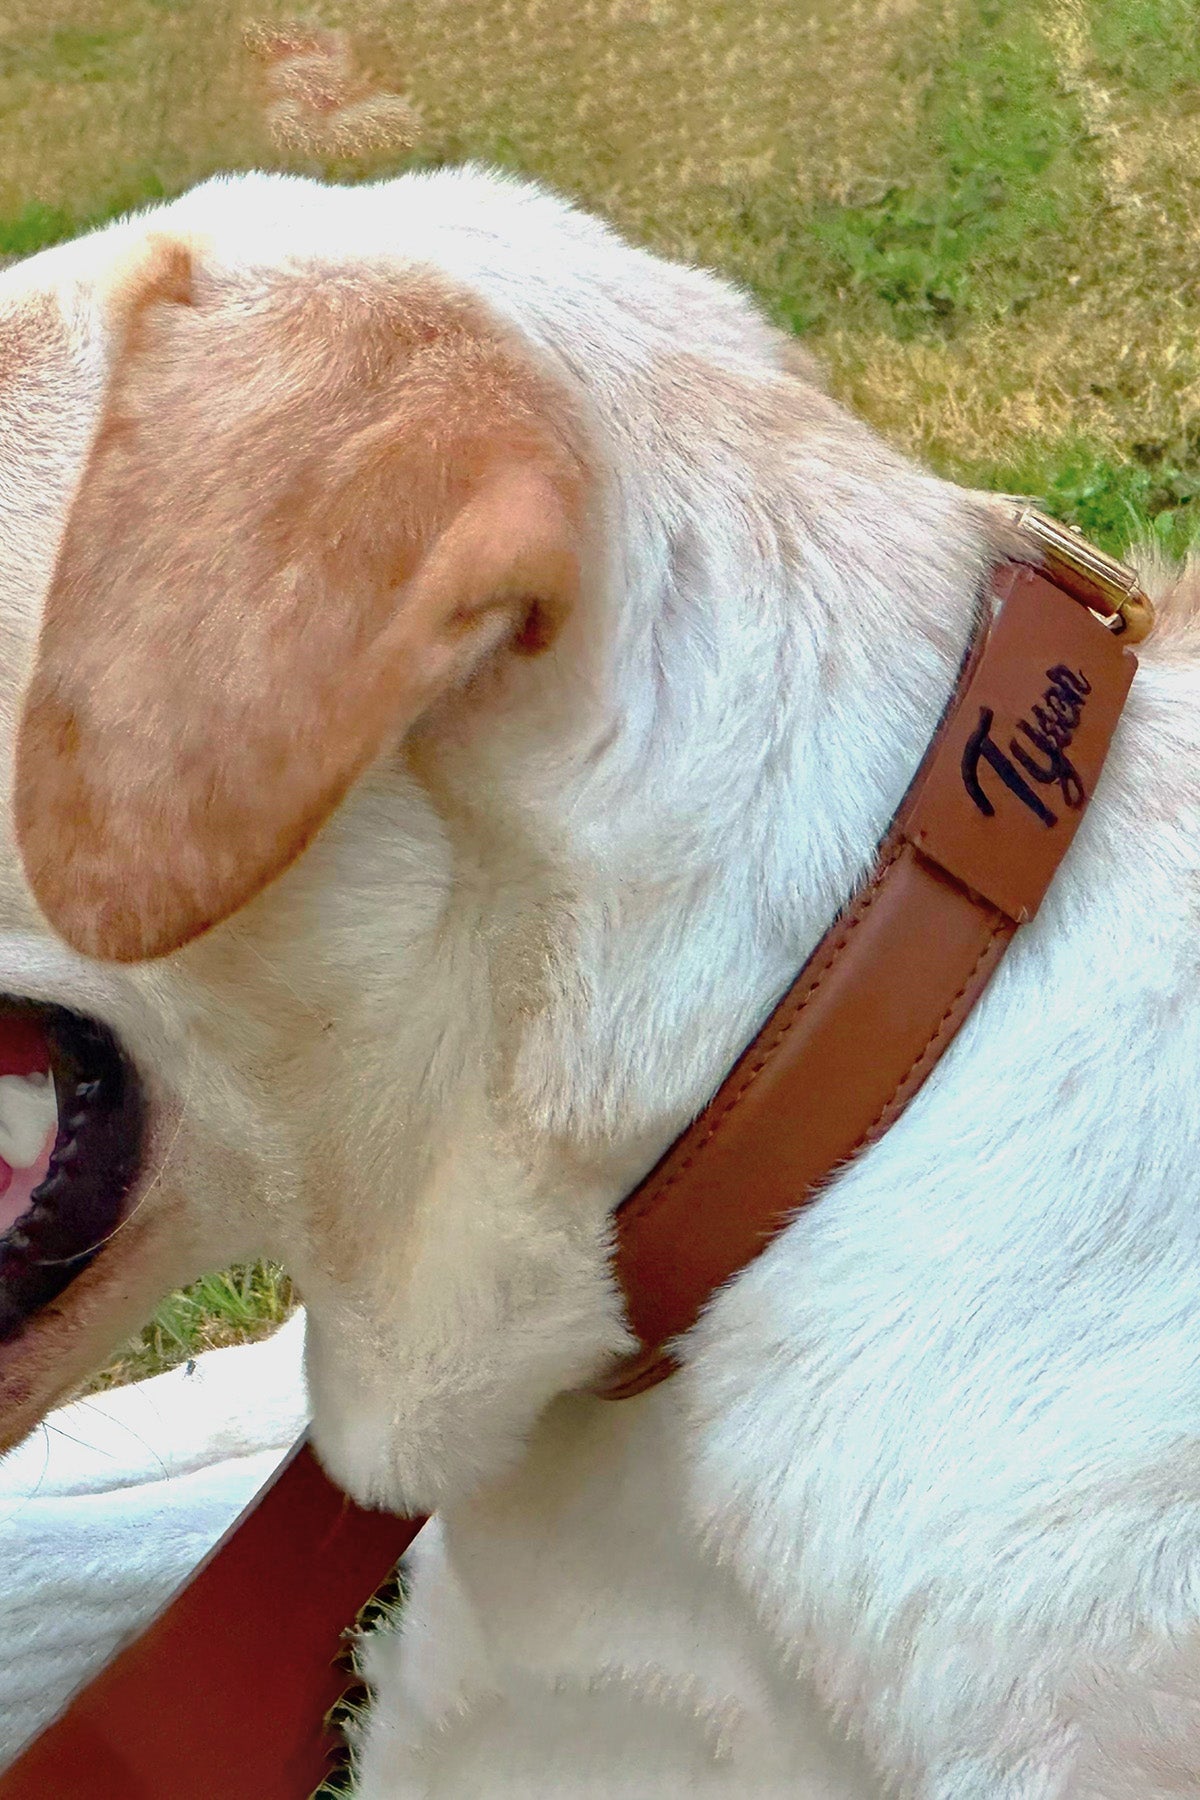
pixel 1098 581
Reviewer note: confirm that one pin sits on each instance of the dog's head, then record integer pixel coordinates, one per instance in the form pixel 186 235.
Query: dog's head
pixel 345 681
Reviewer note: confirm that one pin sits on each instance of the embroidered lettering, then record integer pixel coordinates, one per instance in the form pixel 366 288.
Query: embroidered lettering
pixel 981 745
pixel 1054 723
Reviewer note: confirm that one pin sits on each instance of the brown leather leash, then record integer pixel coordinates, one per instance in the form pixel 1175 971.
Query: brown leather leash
pixel 207 1704
pixel 225 1696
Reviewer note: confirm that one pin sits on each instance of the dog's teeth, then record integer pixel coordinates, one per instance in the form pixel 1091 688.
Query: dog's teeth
pixel 28 1114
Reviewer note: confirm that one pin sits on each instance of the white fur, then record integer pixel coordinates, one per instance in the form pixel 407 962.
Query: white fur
pixel 921 1513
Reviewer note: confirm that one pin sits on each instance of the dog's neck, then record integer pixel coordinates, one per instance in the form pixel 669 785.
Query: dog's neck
pixel 792 625
pixel 635 868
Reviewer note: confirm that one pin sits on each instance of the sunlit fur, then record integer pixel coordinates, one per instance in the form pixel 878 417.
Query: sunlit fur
pixel 921 1513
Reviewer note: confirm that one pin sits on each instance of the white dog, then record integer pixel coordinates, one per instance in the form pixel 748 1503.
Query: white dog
pixel 498 639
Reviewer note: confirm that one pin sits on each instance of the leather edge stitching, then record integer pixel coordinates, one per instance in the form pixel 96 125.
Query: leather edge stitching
pixel 899 1098
pixel 638 1206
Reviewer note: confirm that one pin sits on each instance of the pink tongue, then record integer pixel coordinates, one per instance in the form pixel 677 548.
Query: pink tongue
pixel 23 1051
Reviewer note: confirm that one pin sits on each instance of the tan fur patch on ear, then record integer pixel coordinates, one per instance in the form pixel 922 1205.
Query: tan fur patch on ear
pixel 311 507
pixel 166 277
pixel 160 271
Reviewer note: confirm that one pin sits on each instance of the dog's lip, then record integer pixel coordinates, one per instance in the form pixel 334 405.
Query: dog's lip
pixel 98 1159
pixel 140 1255
pixel 65 1341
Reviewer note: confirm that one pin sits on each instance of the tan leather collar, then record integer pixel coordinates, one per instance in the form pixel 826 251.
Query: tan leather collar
pixel 969 856
pixel 198 1708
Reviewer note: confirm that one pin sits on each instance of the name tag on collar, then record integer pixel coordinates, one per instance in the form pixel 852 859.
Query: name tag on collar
pixel 1008 778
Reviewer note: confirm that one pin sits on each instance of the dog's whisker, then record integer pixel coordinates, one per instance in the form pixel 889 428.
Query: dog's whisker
pixel 82 1443
pixel 277 974
pixel 125 1426
pixel 27 1499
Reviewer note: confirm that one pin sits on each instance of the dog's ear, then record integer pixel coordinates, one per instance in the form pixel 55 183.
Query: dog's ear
pixel 312 506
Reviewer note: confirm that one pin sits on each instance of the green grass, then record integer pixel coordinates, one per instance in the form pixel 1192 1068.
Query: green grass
pixel 1153 496
pixel 990 179
pixel 1150 47
pixel 228 1308
pixel 983 215
pixel 67 54
pixel 37 227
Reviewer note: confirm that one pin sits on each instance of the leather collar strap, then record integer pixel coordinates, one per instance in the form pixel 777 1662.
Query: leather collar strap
pixel 223 1697
pixel 970 854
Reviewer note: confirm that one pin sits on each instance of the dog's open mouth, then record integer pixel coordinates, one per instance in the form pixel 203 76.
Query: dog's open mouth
pixel 72 1118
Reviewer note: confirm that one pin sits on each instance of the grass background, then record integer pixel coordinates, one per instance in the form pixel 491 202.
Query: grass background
pixel 983 215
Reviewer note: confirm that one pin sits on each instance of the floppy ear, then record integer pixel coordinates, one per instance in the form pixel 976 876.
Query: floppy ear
pixel 313 504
